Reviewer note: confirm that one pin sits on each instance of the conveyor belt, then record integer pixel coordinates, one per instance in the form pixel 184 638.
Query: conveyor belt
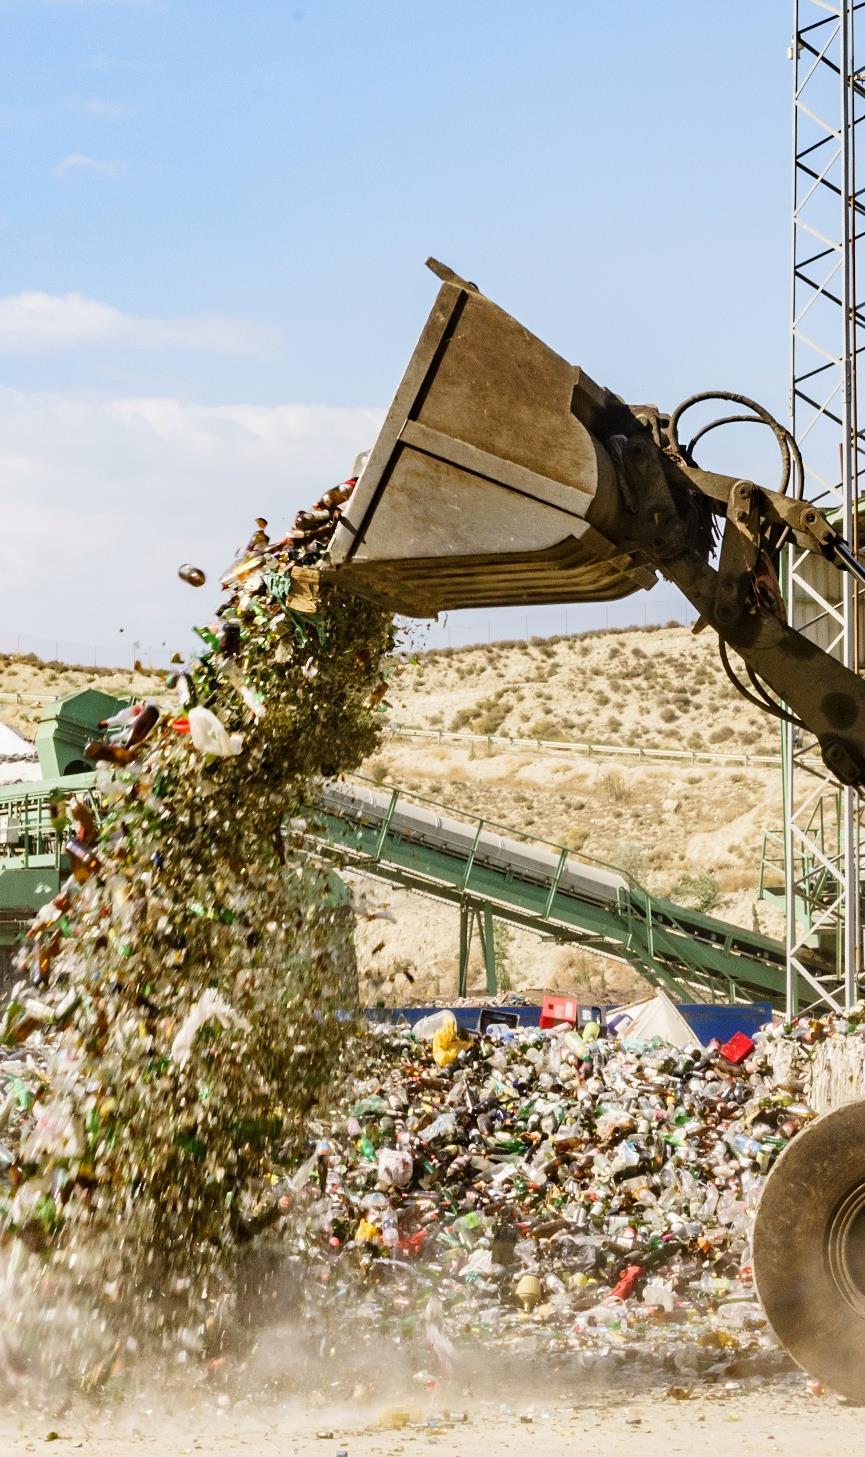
pixel 487 869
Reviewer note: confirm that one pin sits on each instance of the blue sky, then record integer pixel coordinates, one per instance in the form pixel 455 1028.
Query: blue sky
pixel 213 221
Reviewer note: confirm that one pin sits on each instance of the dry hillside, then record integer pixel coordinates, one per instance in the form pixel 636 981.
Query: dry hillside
pixel 692 832
pixel 27 684
pixel 655 687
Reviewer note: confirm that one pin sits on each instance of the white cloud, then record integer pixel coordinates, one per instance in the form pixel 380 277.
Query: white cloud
pixel 102 499
pixel 36 322
pixel 104 110
pixel 76 163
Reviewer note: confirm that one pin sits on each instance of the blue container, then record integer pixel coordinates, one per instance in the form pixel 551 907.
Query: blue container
pixel 709 1022
pixel 706 1020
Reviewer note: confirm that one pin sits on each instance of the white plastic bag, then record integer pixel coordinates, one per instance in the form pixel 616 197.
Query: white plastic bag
pixel 210 1007
pixel 210 737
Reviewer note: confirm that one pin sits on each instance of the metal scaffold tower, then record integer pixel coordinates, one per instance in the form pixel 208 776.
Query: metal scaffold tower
pixel 823 823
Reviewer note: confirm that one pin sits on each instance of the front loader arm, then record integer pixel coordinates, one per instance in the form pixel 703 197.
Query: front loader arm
pixel 817 689
pixel 504 475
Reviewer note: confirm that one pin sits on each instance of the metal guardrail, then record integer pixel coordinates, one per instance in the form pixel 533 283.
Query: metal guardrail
pixel 24 698
pixel 591 748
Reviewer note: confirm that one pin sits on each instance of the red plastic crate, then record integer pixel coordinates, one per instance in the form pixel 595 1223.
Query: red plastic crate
pixel 559 1009
pixel 738 1048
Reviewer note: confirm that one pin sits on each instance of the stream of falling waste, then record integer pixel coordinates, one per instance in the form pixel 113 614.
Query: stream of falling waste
pixel 182 999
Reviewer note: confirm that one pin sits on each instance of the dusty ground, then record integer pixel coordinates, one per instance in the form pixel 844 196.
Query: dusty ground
pixel 557 1421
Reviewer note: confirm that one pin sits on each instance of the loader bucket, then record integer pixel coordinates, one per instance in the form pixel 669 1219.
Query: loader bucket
pixel 487 486
pixel 809 1250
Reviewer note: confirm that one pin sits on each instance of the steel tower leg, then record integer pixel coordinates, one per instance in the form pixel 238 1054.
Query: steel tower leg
pixel 822 851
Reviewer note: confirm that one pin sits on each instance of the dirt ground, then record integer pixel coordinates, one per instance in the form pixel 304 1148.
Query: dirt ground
pixel 553 1423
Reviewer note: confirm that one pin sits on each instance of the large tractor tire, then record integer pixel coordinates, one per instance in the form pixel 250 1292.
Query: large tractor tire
pixel 809 1250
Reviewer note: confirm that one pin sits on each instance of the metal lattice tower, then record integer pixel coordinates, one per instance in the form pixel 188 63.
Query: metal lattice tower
pixel 823 823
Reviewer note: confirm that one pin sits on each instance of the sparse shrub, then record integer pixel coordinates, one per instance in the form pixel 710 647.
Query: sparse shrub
pixel 546 728
pixel 668 715
pixel 612 787
pixel 628 857
pixel 697 889
pixel 602 698
pixel 576 837
pixel 377 770
pixel 489 722
pixel 737 877
pixel 721 734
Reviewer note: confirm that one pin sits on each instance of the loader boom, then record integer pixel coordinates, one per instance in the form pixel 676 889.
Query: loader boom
pixel 503 475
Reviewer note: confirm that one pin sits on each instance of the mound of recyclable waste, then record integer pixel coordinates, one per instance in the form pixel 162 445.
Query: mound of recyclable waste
pixel 176 1013
pixel 540 1191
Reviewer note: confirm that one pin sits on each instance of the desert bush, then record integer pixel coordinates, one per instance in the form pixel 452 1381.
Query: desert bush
pixel 546 728
pixel 737 877
pixel 720 734
pixel 668 715
pixel 576 837
pixel 628 857
pixel 612 787
pixel 377 771
pixel 698 889
pixel 489 722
